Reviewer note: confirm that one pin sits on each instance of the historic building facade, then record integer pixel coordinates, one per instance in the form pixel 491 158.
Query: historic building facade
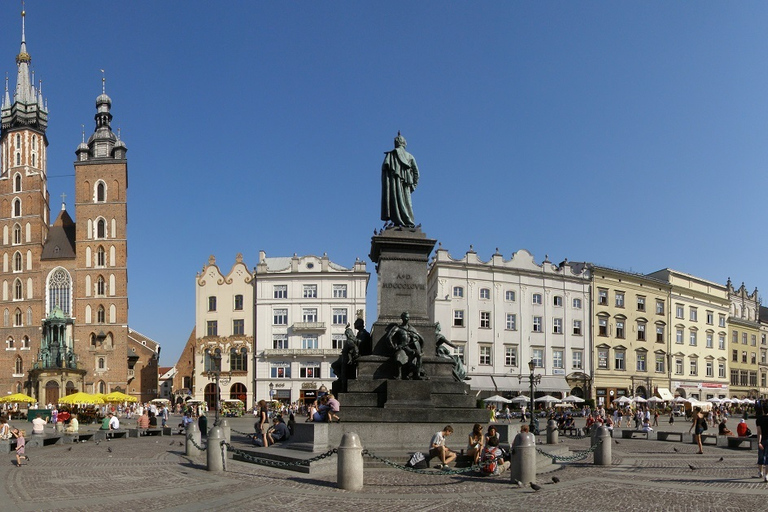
pixel 743 349
pixel 501 314
pixel 698 320
pixel 63 299
pixel 223 350
pixel 303 305
pixel 630 334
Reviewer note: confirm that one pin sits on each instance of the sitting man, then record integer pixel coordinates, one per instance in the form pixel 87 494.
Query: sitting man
pixel 73 426
pixel 438 449
pixel 742 430
pixel 114 423
pixel 723 429
pixel 152 420
pixel 333 409
pixel 38 426
pixel 143 423
pixel 278 431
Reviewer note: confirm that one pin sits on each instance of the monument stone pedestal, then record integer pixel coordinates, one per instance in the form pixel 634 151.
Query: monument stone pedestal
pixel 401 256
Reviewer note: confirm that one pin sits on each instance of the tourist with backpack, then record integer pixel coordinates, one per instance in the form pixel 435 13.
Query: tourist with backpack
pixel 491 462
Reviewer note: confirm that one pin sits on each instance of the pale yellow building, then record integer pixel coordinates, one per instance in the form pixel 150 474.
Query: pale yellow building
pixel 630 334
pixel 697 316
pixel 744 352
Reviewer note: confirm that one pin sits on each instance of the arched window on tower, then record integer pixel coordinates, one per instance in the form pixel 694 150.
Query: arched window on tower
pixel 100 286
pixel 18 141
pixel 101 228
pixel 25 339
pixel 18 319
pixel 34 159
pixel 18 292
pixel 100 256
pixel 59 290
pixel 18 158
pixel 101 192
pixel 17 207
pixel 19 365
pixel 18 262
pixel 101 315
pixel 17 183
pixel 9 342
pixel 16 234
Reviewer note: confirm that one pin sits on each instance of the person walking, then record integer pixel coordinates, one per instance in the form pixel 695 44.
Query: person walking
pixel 699 423
pixel 762 434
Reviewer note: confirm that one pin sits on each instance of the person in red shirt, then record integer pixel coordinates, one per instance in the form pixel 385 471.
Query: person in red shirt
pixel 741 429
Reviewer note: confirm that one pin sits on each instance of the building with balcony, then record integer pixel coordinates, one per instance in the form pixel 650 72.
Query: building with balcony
pixel 501 314
pixel 303 305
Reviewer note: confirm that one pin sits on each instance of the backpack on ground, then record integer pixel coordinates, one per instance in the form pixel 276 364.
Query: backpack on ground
pixel 417 461
pixel 490 463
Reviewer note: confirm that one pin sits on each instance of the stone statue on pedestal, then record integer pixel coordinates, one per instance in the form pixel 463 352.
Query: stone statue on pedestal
pixel 442 344
pixel 346 365
pixel 399 177
pixel 408 350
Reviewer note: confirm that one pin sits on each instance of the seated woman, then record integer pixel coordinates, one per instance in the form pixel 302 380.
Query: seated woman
pixel 152 420
pixel 742 430
pixel 73 426
pixel 475 443
pixel 322 410
pixel 647 425
pixel 143 421
pixel 723 429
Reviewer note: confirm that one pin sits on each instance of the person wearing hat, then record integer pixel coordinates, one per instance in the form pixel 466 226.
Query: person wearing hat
pixel 742 430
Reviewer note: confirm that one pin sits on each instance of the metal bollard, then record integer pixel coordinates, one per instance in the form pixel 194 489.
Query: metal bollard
pixel 193 437
pixel 217 452
pixel 224 424
pixel 603 450
pixel 523 465
pixel 552 432
pixel 349 470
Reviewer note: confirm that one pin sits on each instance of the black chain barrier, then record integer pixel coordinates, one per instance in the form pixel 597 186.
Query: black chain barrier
pixel 276 463
pixel 201 448
pixel 580 455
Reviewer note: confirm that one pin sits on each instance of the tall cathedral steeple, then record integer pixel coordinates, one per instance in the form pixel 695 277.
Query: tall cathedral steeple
pixel 27 109
pixel 103 143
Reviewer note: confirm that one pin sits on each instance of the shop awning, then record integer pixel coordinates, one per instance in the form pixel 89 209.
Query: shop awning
pixel 506 383
pixel 482 383
pixel 665 394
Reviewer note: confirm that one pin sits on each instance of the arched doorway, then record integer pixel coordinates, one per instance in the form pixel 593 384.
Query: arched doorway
pixel 238 391
pixel 577 391
pixel 51 392
pixel 70 388
pixel 680 392
pixel 211 396
pixel 641 392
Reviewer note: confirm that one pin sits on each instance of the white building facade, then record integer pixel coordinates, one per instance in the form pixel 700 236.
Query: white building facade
pixel 502 314
pixel 303 305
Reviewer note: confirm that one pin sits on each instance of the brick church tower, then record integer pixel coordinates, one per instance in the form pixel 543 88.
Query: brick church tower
pixel 64 300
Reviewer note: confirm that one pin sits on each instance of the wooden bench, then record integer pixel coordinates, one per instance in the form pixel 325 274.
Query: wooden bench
pixel 736 442
pixel 664 435
pixel 630 434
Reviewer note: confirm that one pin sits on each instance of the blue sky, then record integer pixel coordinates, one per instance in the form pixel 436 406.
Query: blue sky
pixel 628 134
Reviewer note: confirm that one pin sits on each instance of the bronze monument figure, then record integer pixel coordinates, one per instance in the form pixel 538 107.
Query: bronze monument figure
pixel 399 177
pixel 408 350
pixel 441 345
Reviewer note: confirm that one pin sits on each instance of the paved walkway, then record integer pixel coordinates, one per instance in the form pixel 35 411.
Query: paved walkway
pixel 151 474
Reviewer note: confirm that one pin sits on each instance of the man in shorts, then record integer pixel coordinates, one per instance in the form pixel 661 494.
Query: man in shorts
pixel 762 443
pixel 438 449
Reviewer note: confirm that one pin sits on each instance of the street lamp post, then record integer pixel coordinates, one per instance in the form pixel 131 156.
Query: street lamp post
pixel 215 372
pixel 532 380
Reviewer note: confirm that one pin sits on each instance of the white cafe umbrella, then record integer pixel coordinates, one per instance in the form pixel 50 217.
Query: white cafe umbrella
pixel 639 399
pixel 573 399
pixel 655 400
pixel 624 400
pixel 726 401
pixel 547 399
pixel 497 399
pixel 714 400
pixel 679 399
pixel 521 399
pixel 735 401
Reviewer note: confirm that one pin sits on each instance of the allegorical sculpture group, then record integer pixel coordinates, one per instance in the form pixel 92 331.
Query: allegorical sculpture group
pixel 399 178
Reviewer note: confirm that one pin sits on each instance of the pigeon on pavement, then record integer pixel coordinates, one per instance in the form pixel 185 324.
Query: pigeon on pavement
pixel 555 480
pixel 535 487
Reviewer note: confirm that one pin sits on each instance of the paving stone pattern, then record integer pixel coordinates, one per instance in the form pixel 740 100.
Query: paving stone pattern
pixel 149 474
